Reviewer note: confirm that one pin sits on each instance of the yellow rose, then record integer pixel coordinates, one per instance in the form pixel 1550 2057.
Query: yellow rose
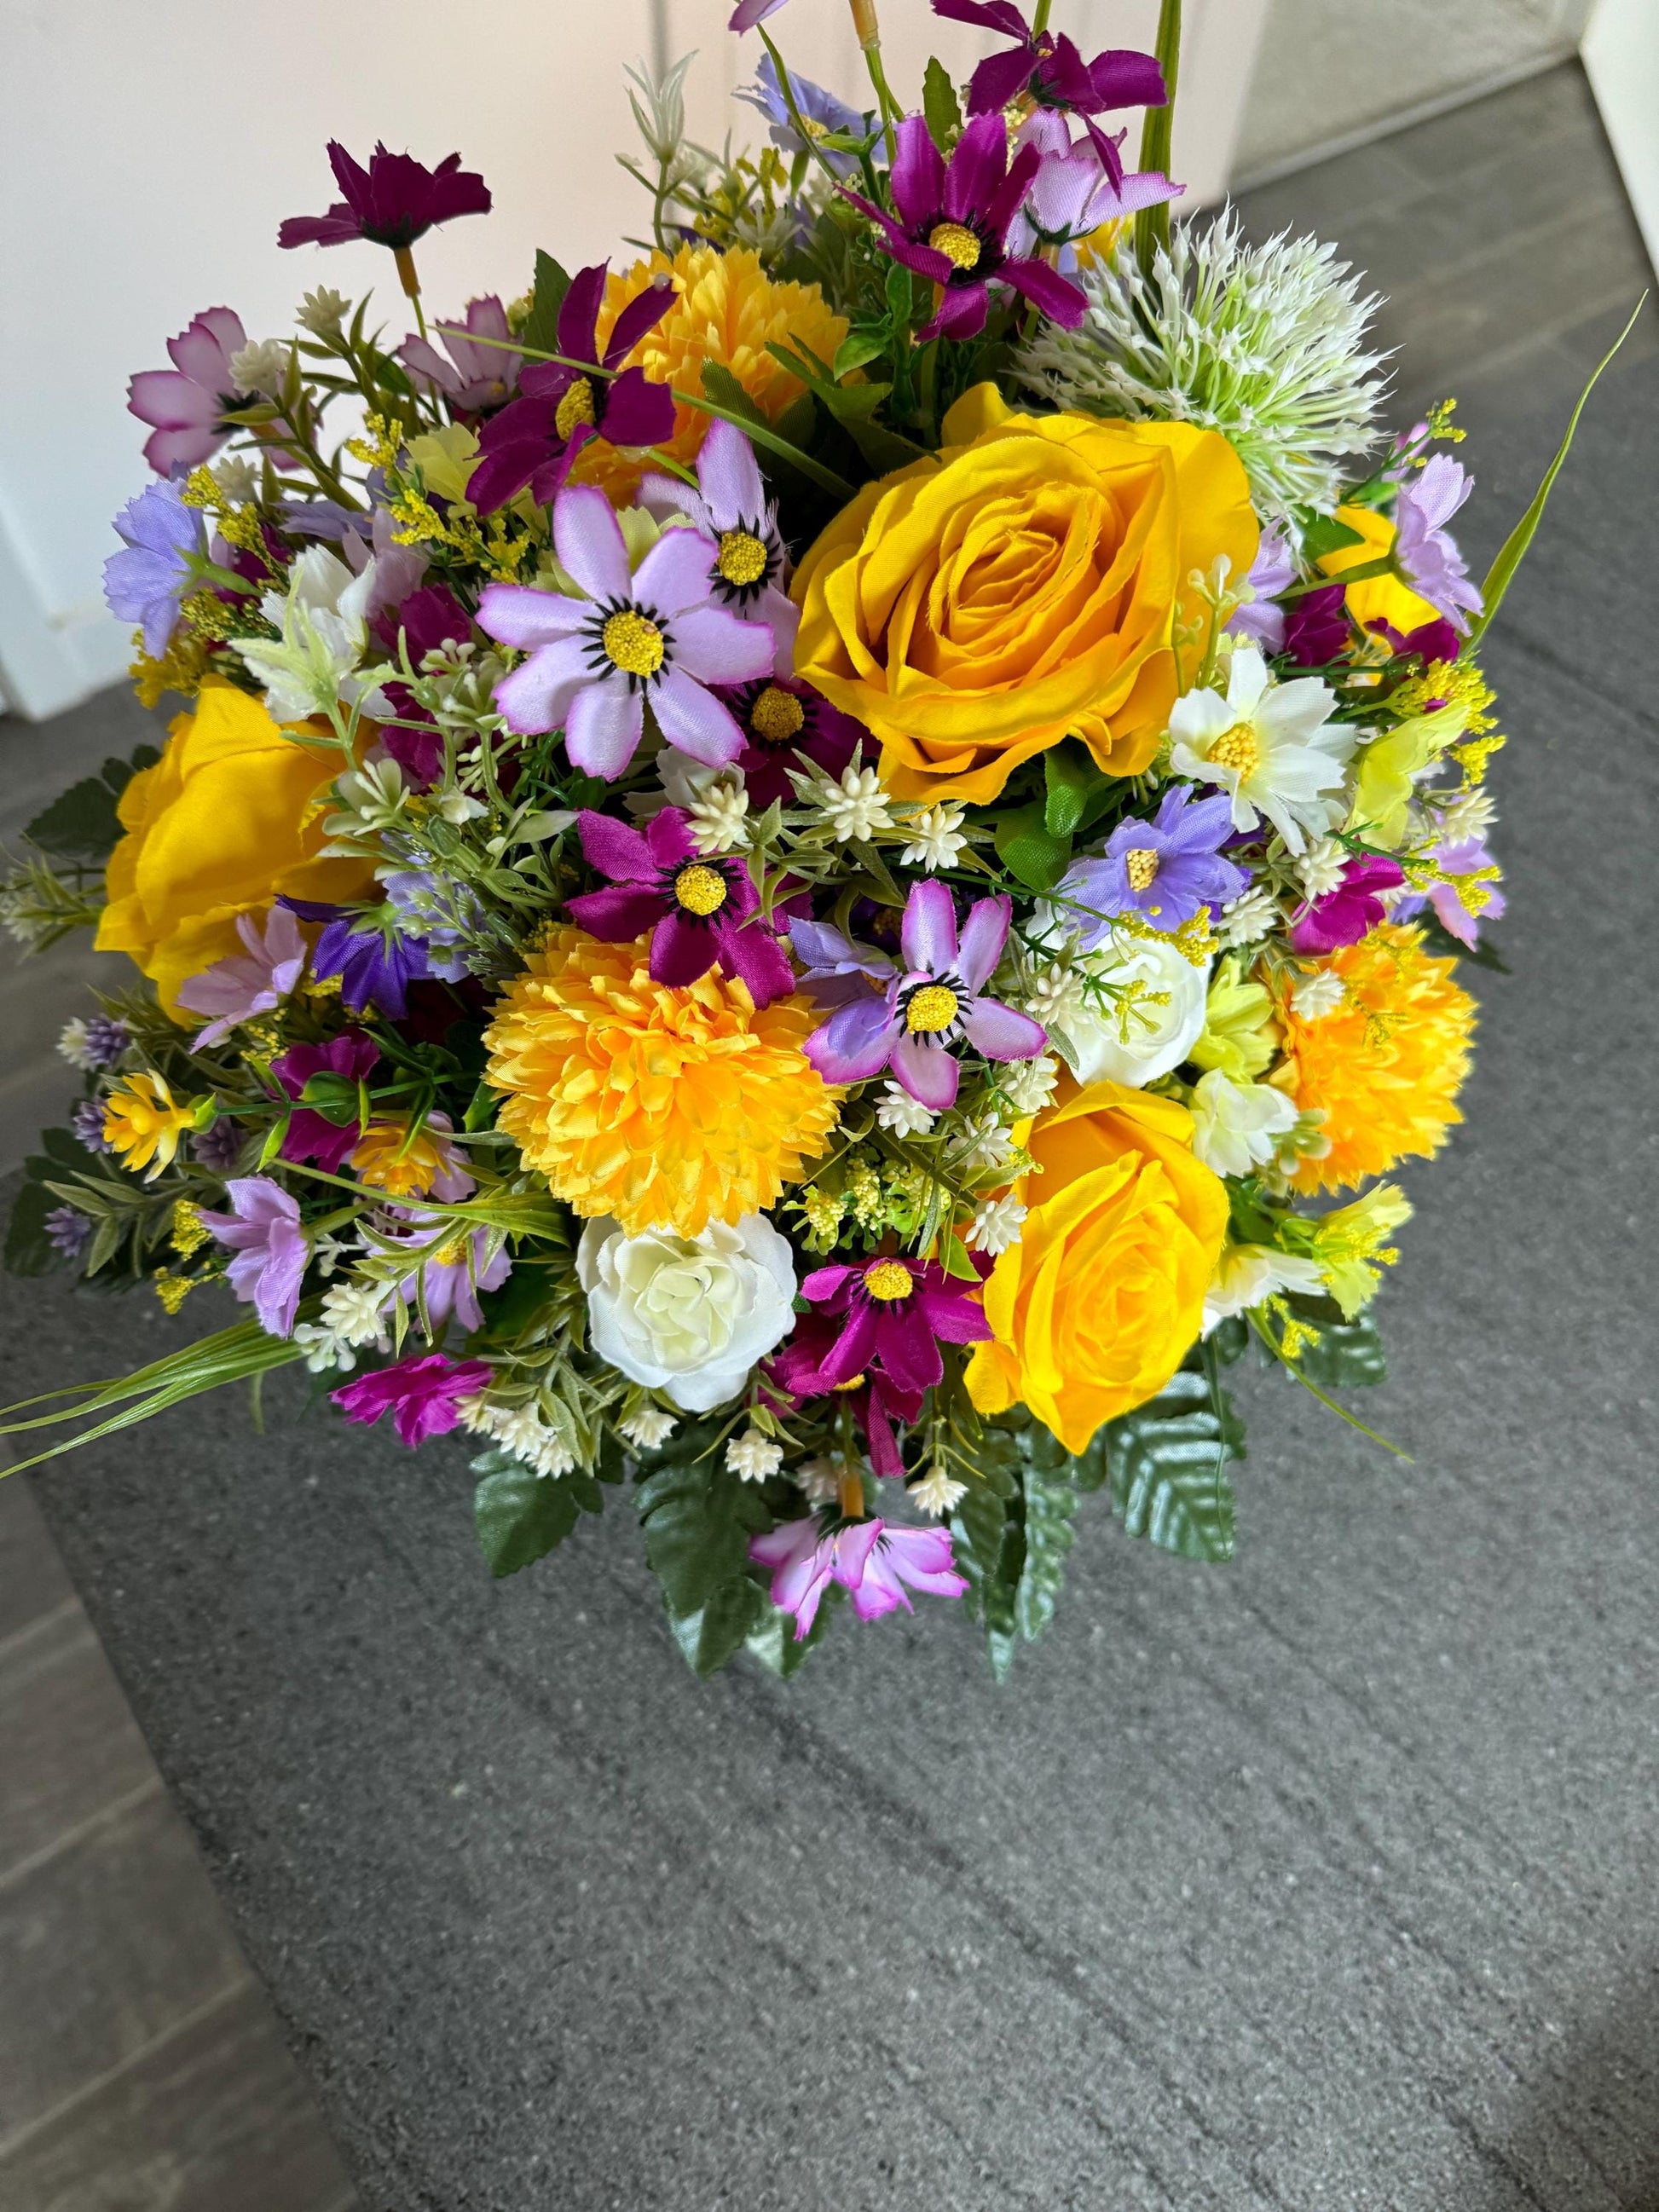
pixel 1103 1296
pixel 1022 588
pixel 225 820
pixel 1379 598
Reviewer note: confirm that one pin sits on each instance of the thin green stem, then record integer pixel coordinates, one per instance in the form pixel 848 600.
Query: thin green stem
pixel 786 86
pixel 885 98
pixel 1158 135
pixel 1040 18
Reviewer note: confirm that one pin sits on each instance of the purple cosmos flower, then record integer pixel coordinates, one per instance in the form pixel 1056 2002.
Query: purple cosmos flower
pixel 1352 910
pixel 144 583
pixel 1163 870
pixel 536 440
pixel 427 621
pixel 423 1396
pixel 1460 907
pixel 1048 70
pixel 69 1233
pixel 953 225
pixel 86 1125
pixel 657 633
pixel 246 984
pixel 393 202
pixel 1273 572
pixel 449 1278
pixel 874 1563
pixel 797 1369
pixel 815 105
pixel 1074 192
pixel 748 13
pixel 781 718
pixel 838 971
pixel 475 379
pixel 311 1135
pixel 898 1313
pixel 273 1251
pixel 106 1038
pixel 1424 553
pixel 1316 627
pixel 375 962
pixel 698 908
pixel 730 506
pixel 187 403
pixel 934 1003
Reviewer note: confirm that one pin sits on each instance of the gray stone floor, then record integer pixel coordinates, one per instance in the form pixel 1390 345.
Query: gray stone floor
pixel 1324 1881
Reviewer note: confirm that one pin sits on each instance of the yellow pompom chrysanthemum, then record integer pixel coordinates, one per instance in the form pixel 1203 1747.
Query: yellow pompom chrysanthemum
pixel 728 310
pixel 663 1106
pixel 1385 1067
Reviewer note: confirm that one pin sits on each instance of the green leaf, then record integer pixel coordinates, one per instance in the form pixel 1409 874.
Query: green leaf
pixel 1051 1500
pixel 708 1639
pixel 1323 533
pixel 520 1517
pixel 1166 1465
pixel 1029 849
pixel 723 388
pixel 1072 780
pixel 859 347
pixel 1349 1355
pixel 82 820
pixel 541 329
pixel 1501 574
pixel 28 1252
pixel 698 1518
pixel 940 105
pixel 774 1643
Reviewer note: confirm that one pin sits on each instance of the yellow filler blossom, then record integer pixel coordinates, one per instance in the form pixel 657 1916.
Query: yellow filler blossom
pixel 663 1106
pixel 1350 1243
pixel 1384 1067
pixel 144 1122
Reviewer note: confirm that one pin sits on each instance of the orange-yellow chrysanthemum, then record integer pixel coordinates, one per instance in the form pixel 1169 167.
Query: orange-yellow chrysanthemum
pixel 727 312
pixel 664 1107
pixel 1386 1065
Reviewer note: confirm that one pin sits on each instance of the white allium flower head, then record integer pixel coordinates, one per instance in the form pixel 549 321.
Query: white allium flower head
pixel 647 1428
pixel 1266 343
pixel 857 806
pixel 753 1457
pixel 1318 994
pixel 902 1116
pixel 718 817
pixel 936 839
pixel 938 1492
pixel 1272 747
pixel 1238 1126
pixel 72 1043
pixel 996 1224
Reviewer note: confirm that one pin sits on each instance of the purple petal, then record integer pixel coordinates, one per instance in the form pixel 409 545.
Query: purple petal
pixel 675 573
pixel 960 312
pixel 603 729
pixel 694 719
pixel 682 949
pixel 616 915
pixel 928 937
pixel 589 542
pixel 641 314
pixel 919 179
pixel 638 412
pixel 718 647
pixel 540 696
pixel 752 952
pixel 615 849
pixel 927 1071
pixel 730 477
pixel 983 936
pixel 999 1033
pixel 986 15
pixel 998 79
pixel 667 838
pixel 514 615
pixel 579 313
pixel 856 1041
pixel 1123 78
pixel 1046 289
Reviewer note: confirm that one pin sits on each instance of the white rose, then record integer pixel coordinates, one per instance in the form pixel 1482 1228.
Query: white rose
pixel 1238 1126
pixel 688 1315
pixel 1132 1047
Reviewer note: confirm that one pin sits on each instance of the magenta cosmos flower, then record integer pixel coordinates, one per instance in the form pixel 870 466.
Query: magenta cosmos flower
pixel 953 225
pixel 311 1135
pixel 1046 67
pixel 699 909
pixel 248 983
pixel 187 403
pixel 394 201
pixel 783 720
pixel 797 1371
pixel 877 1566
pixel 898 1313
pixel 561 410
pixel 933 1002
pixel 657 635
pixel 424 1396
pixel 271 1249
pixel 1352 910
pixel 475 378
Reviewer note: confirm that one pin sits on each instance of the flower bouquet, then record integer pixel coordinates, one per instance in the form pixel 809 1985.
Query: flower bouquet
pixel 814 874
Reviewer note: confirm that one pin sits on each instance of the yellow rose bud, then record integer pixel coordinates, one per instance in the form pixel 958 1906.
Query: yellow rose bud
pixel 1024 587
pixel 1096 1305
pixel 225 820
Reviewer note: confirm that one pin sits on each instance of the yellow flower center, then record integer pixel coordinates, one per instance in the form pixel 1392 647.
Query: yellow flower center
pixel 742 558
pixel 633 644
pixel 932 1007
pixel 776 716
pixel 575 408
pixel 1141 865
pixel 813 128
pixel 956 243
pixel 700 889
pixel 452 1255
pixel 855 1384
pixel 1236 749
pixel 889 1279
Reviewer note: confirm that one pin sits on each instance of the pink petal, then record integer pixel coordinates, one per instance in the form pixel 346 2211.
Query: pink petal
pixel 675 573
pixel 928 938
pixel 927 1071
pixel 514 615
pixel 730 477
pixel 603 728
pixel 542 694
pixel 983 936
pixel 589 541
pixel 695 720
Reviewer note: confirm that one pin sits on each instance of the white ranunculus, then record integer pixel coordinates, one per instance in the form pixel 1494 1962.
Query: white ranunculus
pixel 688 1315
pixel 324 619
pixel 1133 1046
pixel 1238 1126
pixel 1247 1273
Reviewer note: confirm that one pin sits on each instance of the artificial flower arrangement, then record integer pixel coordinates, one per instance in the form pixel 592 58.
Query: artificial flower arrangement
pixel 817 871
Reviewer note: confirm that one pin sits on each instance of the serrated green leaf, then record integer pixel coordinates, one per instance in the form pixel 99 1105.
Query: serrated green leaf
pixel 721 386
pixel 1029 850
pixel 709 1638
pixel 81 821
pixel 940 105
pixel 775 1643
pixel 1348 1355
pixel 1166 1465
pixel 1051 1501
pixel 698 1518
pixel 520 1517
pixel 29 1250
pixel 541 329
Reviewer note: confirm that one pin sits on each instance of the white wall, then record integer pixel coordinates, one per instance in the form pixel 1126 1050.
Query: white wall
pixel 1621 54
pixel 149 147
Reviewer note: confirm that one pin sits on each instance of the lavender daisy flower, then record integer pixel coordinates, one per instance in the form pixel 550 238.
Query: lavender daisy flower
pixel 934 1004
pixel 1074 192
pixel 953 222
pixel 820 111
pixel 187 403
pixel 475 379
pixel 1163 870
pixel 144 583
pixel 731 507
pixel 658 634
pixel 1425 554
pixel 874 1564
pixel 68 1232
pixel 448 1280
pixel 1273 572
pixel 245 985
pixel 394 201
pixel 271 1250
pixel 700 910
pixel 86 1125
pixel 837 970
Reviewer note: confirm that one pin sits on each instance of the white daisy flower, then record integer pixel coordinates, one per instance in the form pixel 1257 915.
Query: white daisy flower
pixel 1272 747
